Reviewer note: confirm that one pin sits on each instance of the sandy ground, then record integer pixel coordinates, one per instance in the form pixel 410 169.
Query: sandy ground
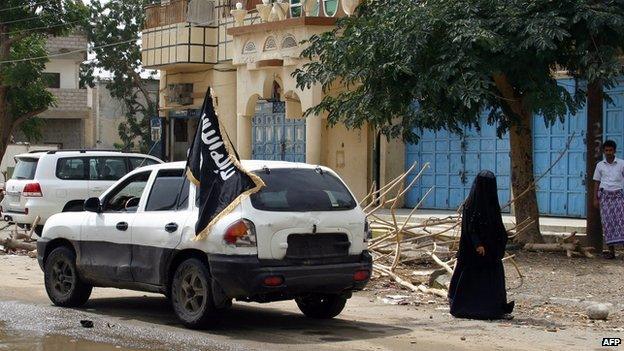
pixel 549 316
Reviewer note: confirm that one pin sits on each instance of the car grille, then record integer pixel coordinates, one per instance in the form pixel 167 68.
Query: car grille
pixel 317 246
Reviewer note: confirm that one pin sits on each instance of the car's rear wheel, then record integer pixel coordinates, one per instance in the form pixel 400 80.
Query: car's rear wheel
pixel 62 283
pixel 321 306
pixel 191 294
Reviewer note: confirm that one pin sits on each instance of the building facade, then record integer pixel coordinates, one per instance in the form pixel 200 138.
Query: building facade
pixel 247 54
pixel 67 124
pixel 198 44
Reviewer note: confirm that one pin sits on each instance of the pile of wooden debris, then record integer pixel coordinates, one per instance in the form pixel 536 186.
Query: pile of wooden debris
pixel 20 240
pixel 402 245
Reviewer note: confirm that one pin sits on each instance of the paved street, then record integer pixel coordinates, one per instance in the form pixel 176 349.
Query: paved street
pixel 137 320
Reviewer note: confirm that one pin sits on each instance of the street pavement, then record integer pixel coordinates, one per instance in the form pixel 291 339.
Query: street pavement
pixel 136 320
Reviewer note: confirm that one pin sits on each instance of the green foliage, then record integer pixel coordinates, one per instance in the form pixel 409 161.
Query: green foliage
pixel 110 23
pixel 444 55
pixel 24 26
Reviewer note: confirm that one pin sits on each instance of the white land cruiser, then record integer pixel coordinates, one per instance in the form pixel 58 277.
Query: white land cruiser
pixel 48 182
pixel 302 237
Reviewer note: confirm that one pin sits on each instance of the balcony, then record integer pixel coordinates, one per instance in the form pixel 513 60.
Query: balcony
pixel 70 103
pixel 169 38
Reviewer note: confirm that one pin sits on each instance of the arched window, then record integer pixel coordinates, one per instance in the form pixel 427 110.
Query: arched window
pixel 249 47
pixel 289 42
pixel 330 7
pixel 270 44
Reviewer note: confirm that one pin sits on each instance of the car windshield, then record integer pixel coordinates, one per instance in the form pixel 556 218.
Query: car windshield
pixel 301 190
pixel 25 168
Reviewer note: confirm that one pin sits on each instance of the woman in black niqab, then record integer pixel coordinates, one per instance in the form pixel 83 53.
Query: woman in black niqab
pixel 477 289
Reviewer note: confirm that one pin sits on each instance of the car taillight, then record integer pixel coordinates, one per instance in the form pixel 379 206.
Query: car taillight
pixel 361 275
pixel 368 232
pixel 241 233
pixel 32 190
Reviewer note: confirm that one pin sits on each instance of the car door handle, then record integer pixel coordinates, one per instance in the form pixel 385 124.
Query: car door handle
pixel 171 227
pixel 123 226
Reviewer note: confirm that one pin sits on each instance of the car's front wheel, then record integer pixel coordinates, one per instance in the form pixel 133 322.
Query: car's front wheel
pixel 191 294
pixel 321 306
pixel 62 283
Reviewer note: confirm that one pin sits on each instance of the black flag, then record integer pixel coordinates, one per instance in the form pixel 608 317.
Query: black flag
pixel 213 166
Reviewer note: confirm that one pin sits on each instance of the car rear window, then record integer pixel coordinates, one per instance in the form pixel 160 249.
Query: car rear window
pixel 301 190
pixel 25 168
pixel 169 192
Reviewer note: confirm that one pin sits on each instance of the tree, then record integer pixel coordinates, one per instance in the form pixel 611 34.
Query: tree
pixel 598 42
pixel 24 27
pixel 453 59
pixel 114 28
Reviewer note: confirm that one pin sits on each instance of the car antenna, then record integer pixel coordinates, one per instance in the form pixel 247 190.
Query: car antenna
pixel 319 170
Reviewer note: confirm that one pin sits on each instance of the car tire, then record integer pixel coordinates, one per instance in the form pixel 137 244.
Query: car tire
pixel 191 295
pixel 62 283
pixel 321 306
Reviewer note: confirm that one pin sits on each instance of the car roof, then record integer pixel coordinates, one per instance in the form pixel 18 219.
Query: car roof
pixel 250 165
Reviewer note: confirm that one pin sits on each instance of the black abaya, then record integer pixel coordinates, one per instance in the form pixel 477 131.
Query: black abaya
pixel 477 288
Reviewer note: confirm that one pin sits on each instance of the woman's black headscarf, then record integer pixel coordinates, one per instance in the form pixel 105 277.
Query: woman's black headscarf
pixel 482 223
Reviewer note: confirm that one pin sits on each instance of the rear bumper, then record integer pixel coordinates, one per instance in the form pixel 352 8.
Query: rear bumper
pixel 243 277
pixel 18 217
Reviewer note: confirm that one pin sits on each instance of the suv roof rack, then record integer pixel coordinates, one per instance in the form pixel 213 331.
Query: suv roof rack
pixel 82 151
pixel 42 150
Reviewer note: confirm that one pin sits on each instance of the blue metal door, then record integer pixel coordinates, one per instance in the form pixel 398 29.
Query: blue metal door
pixel 561 192
pixel 276 137
pixel 613 123
pixel 455 161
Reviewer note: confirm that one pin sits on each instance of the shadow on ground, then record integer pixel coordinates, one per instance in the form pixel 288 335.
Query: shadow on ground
pixel 258 323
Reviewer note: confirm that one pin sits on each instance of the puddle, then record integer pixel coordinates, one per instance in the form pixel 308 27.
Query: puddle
pixel 17 341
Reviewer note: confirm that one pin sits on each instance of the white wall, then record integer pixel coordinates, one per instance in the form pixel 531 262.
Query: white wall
pixel 68 70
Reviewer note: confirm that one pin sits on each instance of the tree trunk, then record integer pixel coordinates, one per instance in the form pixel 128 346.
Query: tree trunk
pixel 594 154
pixel 521 144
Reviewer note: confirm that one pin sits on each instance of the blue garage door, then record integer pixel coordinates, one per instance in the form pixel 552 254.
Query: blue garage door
pixel 613 124
pixel 561 192
pixel 276 137
pixel 455 161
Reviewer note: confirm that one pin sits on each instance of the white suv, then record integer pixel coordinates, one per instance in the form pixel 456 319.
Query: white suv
pixel 48 182
pixel 302 237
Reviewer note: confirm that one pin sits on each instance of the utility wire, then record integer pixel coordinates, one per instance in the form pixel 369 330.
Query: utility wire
pixel 44 27
pixel 69 52
pixel 22 6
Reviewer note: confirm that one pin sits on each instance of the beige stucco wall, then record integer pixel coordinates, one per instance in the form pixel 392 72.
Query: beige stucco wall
pixel 392 163
pixel 346 152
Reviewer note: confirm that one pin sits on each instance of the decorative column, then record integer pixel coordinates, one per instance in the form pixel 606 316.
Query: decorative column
pixel 349 6
pixel 264 10
pixel 281 8
pixel 308 7
pixel 243 137
pixel 314 139
pixel 239 14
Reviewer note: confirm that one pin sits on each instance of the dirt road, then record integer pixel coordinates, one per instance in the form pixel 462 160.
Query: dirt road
pixel 132 320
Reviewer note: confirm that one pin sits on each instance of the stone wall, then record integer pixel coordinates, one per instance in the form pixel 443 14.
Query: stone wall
pixel 71 103
pixel 67 43
pixel 66 133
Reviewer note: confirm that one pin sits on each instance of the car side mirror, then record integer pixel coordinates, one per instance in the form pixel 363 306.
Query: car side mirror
pixel 93 204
